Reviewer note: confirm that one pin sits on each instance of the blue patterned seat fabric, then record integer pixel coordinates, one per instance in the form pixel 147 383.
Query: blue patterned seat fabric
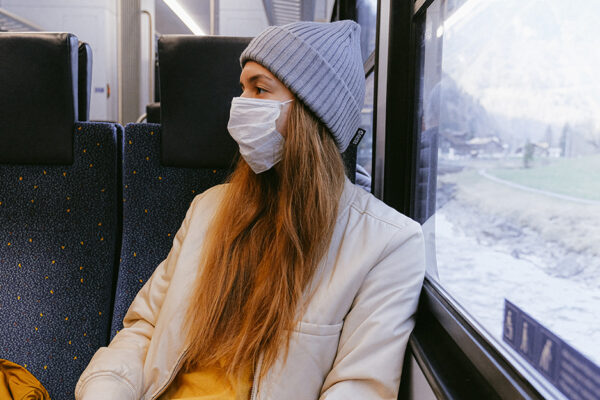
pixel 58 231
pixel 155 200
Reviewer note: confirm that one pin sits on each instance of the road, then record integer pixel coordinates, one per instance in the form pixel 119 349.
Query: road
pixel 483 173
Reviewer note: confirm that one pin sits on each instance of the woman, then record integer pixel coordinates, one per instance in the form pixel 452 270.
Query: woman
pixel 288 282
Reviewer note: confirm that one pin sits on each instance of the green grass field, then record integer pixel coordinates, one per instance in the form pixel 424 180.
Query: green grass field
pixel 577 177
pixel 572 225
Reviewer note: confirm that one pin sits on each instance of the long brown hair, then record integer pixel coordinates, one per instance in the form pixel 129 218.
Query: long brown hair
pixel 262 250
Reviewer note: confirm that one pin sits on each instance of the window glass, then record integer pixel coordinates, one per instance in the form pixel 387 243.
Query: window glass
pixel 509 176
pixel 364 154
pixel 366 15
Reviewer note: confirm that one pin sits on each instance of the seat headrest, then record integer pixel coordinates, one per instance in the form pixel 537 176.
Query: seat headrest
pixel 38 97
pixel 85 80
pixel 199 75
pixel 153 113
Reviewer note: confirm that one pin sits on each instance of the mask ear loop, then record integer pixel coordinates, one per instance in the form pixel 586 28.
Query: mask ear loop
pixel 281 104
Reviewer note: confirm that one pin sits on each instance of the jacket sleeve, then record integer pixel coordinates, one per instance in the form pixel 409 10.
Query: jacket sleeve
pixel 377 327
pixel 115 372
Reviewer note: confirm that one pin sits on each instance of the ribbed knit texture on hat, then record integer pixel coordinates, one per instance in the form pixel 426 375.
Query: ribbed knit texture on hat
pixel 321 64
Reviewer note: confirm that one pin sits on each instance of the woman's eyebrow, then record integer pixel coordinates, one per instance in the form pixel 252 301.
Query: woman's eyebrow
pixel 255 77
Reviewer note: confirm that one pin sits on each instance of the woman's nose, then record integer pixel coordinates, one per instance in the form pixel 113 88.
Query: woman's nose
pixel 246 93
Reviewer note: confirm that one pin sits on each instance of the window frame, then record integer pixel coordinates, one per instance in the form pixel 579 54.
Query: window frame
pixel 457 356
pixel 346 9
pixel 444 331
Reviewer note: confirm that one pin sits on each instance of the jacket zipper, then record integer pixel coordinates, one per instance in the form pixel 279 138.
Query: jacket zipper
pixel 171 377
pixel 254 389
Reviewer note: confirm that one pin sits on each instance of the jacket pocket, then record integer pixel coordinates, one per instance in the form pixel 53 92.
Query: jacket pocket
pixel 319 329
pixel 311 353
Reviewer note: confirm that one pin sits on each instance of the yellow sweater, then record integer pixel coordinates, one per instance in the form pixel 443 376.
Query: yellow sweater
pixel 209 383
pixel 18 383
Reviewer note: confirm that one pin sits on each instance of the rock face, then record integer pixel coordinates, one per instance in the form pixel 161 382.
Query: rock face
pixel 518 75
pixel 461 118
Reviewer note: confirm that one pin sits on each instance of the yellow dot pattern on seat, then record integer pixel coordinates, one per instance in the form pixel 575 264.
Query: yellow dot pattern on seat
pixel 155 200
pixel 56 219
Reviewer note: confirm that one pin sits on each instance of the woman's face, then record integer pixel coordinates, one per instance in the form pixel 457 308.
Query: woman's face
pixel 259 83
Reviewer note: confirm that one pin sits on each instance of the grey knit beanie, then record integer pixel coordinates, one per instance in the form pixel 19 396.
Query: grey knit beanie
pixel 321 63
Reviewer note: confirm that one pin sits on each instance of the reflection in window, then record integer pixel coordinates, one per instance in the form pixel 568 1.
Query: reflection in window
pixel 366 15
pixel 364 154
pixel 509 184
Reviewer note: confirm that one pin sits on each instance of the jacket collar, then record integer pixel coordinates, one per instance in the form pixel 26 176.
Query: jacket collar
pixel 347 196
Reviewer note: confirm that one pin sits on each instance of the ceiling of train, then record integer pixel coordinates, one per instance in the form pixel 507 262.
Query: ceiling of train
pixel 278 12
pixel 167 22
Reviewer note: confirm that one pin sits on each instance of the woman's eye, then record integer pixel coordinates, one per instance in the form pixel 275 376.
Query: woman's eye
pixel 260 90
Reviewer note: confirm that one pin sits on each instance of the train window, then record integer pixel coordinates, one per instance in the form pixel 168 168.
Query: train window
pixel 364 156
pixel 508 185
pixel 366 16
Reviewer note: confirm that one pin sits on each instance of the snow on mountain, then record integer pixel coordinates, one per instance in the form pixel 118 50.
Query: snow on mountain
pixel 531 60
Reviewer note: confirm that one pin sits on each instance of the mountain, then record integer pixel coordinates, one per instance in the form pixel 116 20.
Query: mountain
pixel 532 61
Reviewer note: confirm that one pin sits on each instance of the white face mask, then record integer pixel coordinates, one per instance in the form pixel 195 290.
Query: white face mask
pixel 252 124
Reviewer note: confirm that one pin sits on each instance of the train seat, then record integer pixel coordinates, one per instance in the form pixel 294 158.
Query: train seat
pixel 58 213
pixel 84 78
pixel 49 60
pixel 153 113
pixel 165 166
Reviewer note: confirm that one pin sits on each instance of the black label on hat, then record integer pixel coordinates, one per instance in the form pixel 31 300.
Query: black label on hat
pixel 358 136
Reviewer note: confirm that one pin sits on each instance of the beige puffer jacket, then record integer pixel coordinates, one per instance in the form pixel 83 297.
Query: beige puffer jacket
pixel 349 344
